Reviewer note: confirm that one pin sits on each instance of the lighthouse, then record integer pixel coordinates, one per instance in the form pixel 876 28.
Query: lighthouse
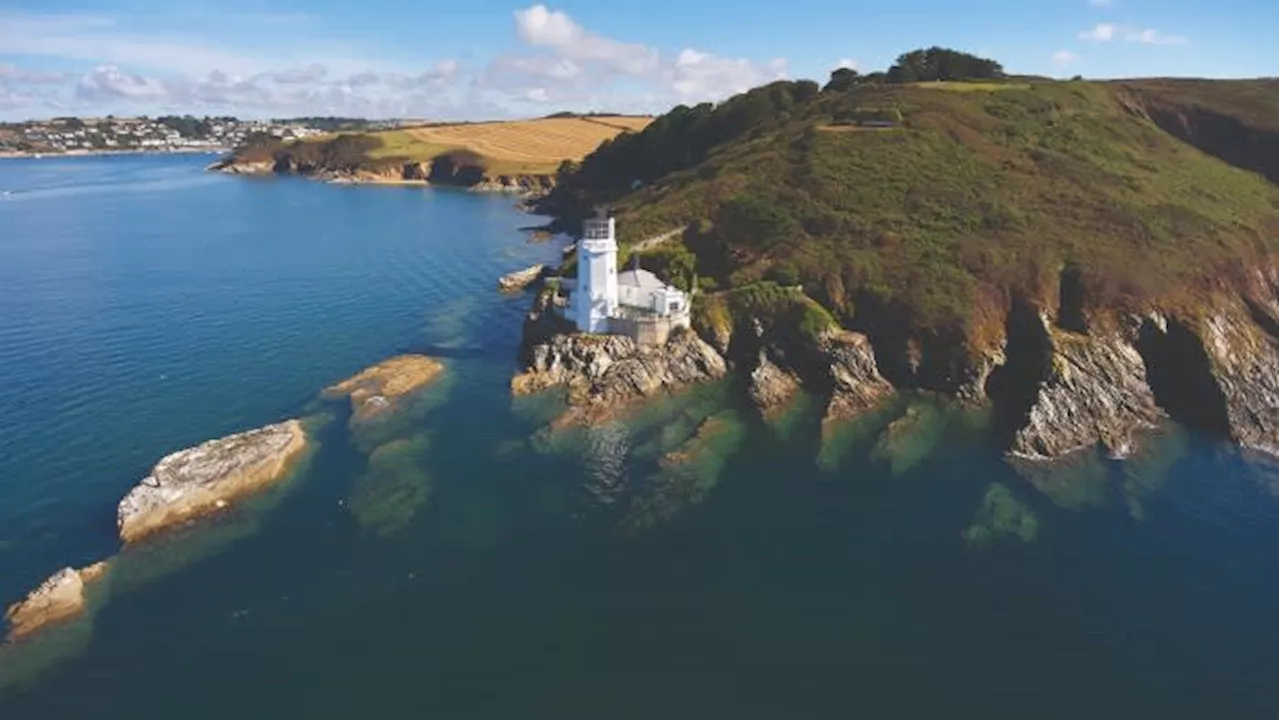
pixel 597 291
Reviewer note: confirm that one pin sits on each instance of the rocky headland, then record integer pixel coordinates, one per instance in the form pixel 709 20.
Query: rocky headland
pixel 204 479
pixel 59 598
pixel 380 387
pixel 605 374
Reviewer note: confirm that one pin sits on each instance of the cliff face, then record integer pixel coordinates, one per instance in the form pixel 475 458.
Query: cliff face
pixel 1213 369
pixel 1084 389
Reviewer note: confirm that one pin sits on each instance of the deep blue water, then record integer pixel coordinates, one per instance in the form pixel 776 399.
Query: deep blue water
pixel 460 562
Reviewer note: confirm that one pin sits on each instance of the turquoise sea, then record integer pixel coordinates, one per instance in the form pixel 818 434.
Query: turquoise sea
pixel 459 561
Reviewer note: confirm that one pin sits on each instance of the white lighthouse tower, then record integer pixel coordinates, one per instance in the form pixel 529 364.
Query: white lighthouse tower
pixel 597 291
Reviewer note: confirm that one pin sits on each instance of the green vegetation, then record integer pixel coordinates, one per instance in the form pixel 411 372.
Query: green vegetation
pixel 938 63
pixel 972 197
pixel 772 304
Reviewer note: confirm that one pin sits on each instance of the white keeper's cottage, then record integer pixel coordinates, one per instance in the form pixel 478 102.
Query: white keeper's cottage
pixel 633 302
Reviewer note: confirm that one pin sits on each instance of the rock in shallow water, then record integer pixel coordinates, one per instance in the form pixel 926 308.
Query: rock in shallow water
pixel 378 387
pixel 520 279
pixel 59 598
pixel 202 479
pixel 604 373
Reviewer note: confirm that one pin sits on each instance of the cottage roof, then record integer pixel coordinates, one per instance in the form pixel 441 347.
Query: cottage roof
pixel 642 279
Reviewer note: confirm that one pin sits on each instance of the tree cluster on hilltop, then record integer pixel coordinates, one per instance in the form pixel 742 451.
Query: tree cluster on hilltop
pixel 927 65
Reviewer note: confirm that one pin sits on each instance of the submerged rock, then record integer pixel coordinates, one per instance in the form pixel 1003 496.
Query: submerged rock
pixel 204 478
pixel 379 387
pixel 856 384
pixel 520 279
pixel 59 598
pixel 605 373
pixel 1093 390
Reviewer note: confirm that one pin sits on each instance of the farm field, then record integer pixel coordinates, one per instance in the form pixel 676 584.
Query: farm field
pixel 517 147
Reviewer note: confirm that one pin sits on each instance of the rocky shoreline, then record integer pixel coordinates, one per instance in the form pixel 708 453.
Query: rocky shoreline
pixel 1058 385
pixel 418 174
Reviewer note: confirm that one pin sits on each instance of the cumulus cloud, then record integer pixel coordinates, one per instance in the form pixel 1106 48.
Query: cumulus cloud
pixel 1064 58
pixel 540 27
pixel 697 75
pixel 1102 32
pixel 567 63
pixel 847 64
pixel 107 82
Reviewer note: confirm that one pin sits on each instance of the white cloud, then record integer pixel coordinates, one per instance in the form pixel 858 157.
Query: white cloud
pixel 106 82
pixel 699 76
pixel 1154 37
pixel 1064 58
pixel 541 27
pixel 1102 32
pixel 568 63
pixel 847 64
pixel 124 69
pixel 1106 32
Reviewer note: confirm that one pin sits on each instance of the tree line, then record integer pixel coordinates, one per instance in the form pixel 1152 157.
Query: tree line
pixel 926 65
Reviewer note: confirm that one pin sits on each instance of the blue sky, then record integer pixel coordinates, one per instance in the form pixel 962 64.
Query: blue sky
pixel 475 59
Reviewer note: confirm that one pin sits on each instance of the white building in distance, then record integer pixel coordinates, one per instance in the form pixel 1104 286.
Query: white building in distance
pixel 634 302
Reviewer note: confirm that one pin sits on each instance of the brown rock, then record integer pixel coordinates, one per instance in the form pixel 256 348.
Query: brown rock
pixel 57 599
pixel 376 388
pixel 203 479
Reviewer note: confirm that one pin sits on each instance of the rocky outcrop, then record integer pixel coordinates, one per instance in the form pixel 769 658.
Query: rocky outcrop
pixel 203 479
pixel 606 373
pixel 232 167
pixel 1246 369
pixel 1093 389
pixel 520 279
pixel 518 184
pixel 378 388
pixel 57 599
pixel 856 384
pixel 769 387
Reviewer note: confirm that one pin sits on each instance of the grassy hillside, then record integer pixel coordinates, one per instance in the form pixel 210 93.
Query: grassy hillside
pixel 520 147
pixel 922 206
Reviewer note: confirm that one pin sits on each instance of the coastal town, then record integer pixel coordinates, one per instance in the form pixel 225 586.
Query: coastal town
pixel 72 135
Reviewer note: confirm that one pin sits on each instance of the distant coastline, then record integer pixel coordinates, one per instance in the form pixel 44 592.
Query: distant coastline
pixel 16 154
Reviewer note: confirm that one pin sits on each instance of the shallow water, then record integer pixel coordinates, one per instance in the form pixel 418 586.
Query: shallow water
pixel 458 560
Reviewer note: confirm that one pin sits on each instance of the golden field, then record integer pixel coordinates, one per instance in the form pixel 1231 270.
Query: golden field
pixel 518 147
